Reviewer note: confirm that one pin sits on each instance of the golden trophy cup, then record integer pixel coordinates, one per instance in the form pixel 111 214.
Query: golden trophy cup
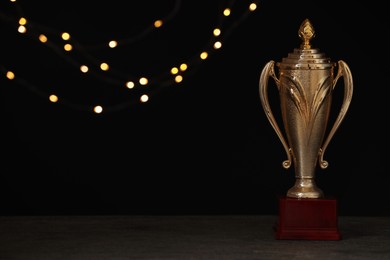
pixel 305 83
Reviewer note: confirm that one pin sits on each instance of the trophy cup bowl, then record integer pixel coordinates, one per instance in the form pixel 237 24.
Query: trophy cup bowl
pixel 305 83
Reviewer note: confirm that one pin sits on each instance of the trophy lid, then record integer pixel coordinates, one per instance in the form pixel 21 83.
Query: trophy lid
pixel 306 57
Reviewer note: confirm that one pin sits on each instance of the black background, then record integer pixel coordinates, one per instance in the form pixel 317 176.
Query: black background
pixel 204 146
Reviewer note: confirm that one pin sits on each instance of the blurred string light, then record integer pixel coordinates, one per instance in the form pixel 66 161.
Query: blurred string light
pixel 174 76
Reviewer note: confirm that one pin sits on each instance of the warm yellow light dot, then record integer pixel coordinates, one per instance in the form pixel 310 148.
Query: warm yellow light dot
pixel 53 98
pixel 143 81
pixel 252 7
pixel 174 70
pixel 226 12
pixel 144 98
pixel 158 23
pixel 84 68
pixel 113 44
pixel 178 78
pixel 216 32
pixel 130 84
pixel 183 67
pixel 98 109
pixel 22 21
pixel 203 55
pixel 10 75
pixel 217 45
pixel 42 38
pixel 65 36
pixel 22 29
pixel 104 66
pixel 68 47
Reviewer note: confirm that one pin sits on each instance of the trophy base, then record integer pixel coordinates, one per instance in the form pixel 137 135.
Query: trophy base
pixel 307 219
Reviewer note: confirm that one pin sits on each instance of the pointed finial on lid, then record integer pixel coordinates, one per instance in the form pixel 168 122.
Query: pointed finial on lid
pixel 306 33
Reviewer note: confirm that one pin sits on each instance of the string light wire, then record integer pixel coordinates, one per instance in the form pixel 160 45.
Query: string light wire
pixel 139 89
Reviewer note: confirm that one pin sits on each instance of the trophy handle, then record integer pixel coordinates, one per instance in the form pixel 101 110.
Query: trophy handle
pixel 344 71
pixel 268 71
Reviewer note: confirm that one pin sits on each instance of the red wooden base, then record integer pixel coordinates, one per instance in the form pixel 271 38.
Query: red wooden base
pixel 307 219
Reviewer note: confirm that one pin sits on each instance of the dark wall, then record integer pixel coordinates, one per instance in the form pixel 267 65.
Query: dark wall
pixel 206 146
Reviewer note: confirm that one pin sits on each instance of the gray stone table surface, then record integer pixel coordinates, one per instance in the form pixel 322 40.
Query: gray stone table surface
pixel 182 237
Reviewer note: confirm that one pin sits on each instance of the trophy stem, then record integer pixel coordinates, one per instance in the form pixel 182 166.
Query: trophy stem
pixel 305 188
